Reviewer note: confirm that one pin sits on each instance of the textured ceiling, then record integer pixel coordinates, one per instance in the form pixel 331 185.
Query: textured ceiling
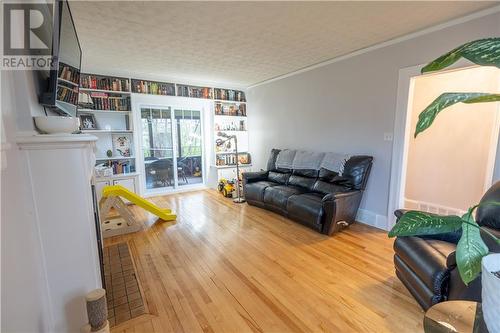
pixel 241 43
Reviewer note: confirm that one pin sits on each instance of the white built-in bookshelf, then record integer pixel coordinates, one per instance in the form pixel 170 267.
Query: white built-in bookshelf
pixel 107 100
pixel 230 117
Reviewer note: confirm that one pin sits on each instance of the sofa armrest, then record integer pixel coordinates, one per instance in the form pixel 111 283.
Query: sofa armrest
pixel 451 260
pixel 251 177
pixel 340 210
pixel 399 212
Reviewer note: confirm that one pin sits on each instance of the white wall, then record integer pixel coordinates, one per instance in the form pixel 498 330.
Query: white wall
pixel 348 105
pixel 453 156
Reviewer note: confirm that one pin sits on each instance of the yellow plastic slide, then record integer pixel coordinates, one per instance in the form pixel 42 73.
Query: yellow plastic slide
pixel 120 191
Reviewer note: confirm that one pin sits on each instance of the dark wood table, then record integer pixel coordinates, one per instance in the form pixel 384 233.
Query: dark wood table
pixel 455 316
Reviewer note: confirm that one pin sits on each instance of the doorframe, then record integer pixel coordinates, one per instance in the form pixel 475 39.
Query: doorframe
pixel 139 101
pixel 402 133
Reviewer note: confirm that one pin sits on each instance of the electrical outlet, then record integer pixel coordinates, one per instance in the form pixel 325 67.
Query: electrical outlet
pixel 388 136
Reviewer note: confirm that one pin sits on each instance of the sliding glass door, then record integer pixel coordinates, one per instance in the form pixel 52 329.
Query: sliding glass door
pixel 189 148
pixel 171 147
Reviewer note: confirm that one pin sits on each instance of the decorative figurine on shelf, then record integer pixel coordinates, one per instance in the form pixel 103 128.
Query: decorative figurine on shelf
pixel 109 153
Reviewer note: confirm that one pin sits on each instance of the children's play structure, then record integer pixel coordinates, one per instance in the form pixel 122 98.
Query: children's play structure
pixel 125 222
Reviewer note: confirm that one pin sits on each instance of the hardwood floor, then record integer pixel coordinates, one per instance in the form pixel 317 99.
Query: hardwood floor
pixel 225 267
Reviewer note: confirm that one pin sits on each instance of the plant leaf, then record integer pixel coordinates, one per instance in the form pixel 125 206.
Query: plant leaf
pixel 426 117
pixel 470 250
pixel 414 223
pixel 484 52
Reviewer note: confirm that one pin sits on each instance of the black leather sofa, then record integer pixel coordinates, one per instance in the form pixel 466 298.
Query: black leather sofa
pixel 320 199
pixel 427 266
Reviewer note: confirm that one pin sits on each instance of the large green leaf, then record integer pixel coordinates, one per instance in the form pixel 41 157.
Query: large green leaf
pixel 415 223
pixel 470 250
pixel 484 52
pixel 426 117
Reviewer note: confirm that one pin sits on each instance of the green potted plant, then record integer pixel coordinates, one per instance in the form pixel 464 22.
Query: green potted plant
pixel 471 248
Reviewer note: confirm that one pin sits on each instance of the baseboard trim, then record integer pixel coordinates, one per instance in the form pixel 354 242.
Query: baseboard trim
pixel 372 219
pixel 432 207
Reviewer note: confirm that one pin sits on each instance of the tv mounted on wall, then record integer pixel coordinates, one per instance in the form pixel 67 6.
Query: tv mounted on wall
pixel 62 80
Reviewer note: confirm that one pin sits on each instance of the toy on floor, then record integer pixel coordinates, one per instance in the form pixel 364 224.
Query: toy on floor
pixel 226 187
pixel 125 222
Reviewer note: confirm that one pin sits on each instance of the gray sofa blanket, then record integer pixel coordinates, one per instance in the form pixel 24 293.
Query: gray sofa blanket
pixel 301 159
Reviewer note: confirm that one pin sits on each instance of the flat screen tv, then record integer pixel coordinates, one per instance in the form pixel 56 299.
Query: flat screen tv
pixel 61 86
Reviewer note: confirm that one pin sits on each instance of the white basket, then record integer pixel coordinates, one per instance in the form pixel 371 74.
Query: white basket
pixel 103 171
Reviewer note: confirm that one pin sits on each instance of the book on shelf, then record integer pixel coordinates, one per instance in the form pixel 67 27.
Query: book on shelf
pixel 194 91
pixel 119 167
pixel 230 159
pixel 67 94
pixel 96 100
pixel 230 126
pixel 229 95
pixel 68 73
pixel 229 109
pixel 153 87
pixel 98 82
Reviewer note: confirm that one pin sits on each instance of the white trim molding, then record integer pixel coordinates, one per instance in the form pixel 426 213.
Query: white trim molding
pixel 432 207
pixel 372 219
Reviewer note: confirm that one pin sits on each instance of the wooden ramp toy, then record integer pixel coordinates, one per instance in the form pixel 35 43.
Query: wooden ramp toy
pixel 125 222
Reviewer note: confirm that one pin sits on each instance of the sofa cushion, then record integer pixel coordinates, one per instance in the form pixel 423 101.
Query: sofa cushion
pixel 307 208
pixel 327 175
pixel 277 196
pixel 489 215
pixel 278 177
pixel 311 173
pixel 271 163
pixel 426 258
pixel 326 188
pixel 255 191
pixel 301 181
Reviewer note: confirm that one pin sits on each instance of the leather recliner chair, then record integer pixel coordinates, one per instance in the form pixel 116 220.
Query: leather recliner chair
pixel 319 199
pixel 427 265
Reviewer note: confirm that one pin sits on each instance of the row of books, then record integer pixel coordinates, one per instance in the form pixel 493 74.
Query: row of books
pixel 120 167
pixel 230 159
pixel 153 88
pixel 229 95
pixel 68 73
pixel 104 101
pixel 194 92
pixel 230 126
pixel 67 95
pixel 104 83
pixel 224 109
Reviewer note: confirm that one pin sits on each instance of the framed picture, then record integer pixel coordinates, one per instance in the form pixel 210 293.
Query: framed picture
pixel 244 158
pixel 87 122
pixel 121 145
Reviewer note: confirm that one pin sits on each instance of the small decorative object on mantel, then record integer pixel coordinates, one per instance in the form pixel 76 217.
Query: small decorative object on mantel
pixel 87 122
pixel 109 153
pixel 490 280
pixel 56 124
pixel 97 312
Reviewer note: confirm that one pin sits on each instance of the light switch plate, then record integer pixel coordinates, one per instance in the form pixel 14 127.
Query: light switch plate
pixel 388 136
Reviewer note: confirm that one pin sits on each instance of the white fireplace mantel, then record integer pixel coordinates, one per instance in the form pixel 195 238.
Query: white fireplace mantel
pixel 60 171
